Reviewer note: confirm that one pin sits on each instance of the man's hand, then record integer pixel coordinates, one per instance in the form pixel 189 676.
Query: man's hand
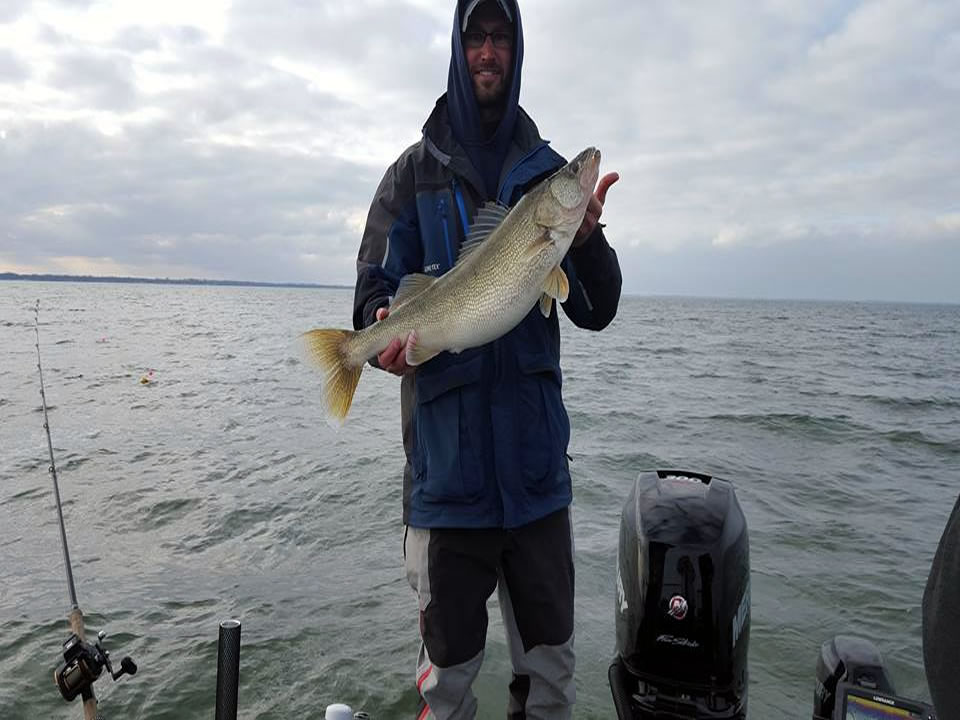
pixel 393 358
pixel 594 209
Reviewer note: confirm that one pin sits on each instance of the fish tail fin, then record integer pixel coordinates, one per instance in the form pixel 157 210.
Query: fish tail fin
pixel 326 350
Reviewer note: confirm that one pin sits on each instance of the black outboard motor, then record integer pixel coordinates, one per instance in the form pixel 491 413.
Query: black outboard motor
pixel 683 600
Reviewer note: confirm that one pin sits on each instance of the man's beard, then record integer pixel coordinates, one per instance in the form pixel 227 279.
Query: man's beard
pixel 487 96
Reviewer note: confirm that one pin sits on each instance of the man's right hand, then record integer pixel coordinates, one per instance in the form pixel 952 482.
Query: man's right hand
pixel 393 358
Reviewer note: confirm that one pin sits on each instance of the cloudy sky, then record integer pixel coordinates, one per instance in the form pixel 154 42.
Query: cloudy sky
pixel 768 148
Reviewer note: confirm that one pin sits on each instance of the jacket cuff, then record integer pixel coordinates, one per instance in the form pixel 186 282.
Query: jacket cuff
pixel 594 252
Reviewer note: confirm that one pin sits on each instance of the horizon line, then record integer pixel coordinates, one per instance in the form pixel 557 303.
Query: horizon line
pixel 62 277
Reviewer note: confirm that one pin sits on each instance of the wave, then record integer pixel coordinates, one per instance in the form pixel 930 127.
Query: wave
pixel 913 403
pixel 668 350
pixel 29 493
pixel 919 439
pixel 789 423
pixel 167 511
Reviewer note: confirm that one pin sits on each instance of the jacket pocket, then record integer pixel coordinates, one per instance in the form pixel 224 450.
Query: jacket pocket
pixel 448 462
pixel 543 422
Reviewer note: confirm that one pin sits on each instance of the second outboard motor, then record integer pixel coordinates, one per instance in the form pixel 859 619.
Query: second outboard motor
pixel 683 600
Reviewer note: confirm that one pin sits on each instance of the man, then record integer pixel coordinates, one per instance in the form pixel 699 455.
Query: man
pixel 486 486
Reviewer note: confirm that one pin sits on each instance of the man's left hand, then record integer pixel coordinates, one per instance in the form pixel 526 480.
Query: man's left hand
pixel 594 209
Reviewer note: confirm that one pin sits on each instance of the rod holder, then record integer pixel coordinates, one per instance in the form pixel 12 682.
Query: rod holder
pixel 228 670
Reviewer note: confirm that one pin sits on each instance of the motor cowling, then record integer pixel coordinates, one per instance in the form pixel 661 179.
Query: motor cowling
pixel 682 601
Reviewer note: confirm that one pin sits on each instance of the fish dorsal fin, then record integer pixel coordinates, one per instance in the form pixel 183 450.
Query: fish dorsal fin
pixel 488 218
pixel 410 286
pixel 490 213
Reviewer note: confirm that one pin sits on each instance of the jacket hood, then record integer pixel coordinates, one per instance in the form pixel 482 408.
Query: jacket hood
pixel 486 153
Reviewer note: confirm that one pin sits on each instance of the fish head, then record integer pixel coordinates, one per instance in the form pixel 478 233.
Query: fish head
pixel 569 190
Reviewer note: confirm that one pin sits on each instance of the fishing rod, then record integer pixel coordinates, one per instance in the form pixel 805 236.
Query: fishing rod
pixel 82 661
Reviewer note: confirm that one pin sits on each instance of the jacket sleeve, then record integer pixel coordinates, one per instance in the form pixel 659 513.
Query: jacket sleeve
pixel 391 246
pixel 594 274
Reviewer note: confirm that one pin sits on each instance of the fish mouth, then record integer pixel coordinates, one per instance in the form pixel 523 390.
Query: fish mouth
pixel 583 161
pixel 587 167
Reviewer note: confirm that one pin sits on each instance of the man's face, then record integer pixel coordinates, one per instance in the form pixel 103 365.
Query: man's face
pixel 490 62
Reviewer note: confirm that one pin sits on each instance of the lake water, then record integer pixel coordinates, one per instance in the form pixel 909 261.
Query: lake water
pixel 217 490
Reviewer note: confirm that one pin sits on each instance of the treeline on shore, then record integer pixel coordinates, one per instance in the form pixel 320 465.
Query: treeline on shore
pixel 159 281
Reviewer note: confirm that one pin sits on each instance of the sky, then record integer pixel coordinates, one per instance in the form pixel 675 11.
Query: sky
pixel 767 148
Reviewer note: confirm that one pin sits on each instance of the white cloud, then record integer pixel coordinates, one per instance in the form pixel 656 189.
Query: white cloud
pixel 730 235
pixel 950 223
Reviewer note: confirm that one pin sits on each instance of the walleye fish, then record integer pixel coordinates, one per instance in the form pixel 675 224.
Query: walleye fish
pixel 509 260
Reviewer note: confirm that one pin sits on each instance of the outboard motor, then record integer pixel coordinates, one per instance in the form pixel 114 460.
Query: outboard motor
pixel 683 600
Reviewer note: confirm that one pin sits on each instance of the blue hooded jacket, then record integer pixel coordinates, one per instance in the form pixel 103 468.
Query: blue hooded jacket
pixel 487 153
pixel 485 431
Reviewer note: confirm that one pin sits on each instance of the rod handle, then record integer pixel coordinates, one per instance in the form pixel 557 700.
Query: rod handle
pixel 89 703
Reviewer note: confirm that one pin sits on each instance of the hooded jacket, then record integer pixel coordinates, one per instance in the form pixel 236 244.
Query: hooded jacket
pixel 486 153
pixel 485 431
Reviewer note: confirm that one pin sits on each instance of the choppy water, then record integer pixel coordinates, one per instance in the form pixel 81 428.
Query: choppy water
pixel 218 491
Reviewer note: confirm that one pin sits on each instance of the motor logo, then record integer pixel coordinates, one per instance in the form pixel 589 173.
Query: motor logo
pixel 678 607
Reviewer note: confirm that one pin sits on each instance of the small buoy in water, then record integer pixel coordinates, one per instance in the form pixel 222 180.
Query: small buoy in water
pixel 147 379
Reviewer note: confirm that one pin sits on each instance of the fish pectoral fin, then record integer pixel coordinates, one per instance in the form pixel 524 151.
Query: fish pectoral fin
pixel 410 286
pixel 546 305
pixel 417 354
pixel 556 285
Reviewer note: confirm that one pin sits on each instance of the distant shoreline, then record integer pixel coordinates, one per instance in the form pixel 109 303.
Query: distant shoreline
pixel 166 281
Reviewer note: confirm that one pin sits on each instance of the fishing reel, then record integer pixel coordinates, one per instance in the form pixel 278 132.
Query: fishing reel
pixel 82 665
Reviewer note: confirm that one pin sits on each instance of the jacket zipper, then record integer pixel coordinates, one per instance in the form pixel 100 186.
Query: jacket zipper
pixel 442 211
pixel 462 206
